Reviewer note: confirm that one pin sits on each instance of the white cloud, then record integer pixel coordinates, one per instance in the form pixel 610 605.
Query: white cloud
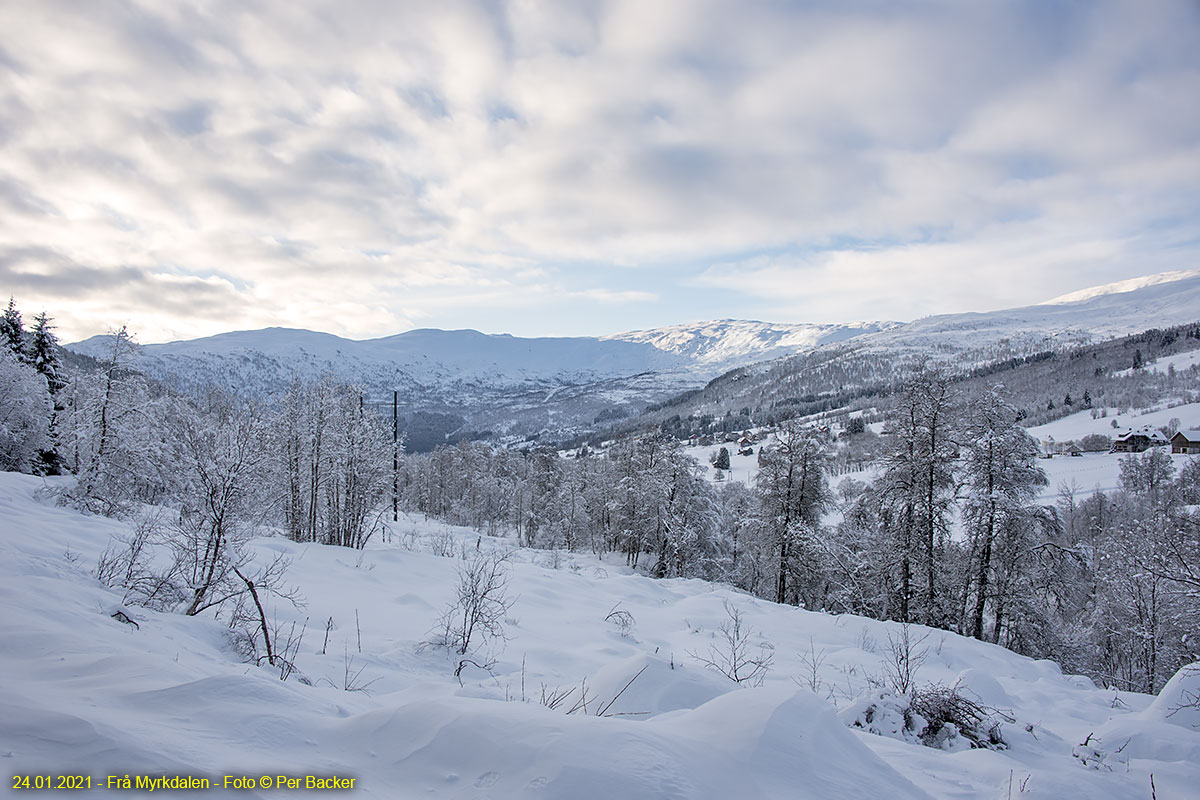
pixel 357 167
pixel 619 297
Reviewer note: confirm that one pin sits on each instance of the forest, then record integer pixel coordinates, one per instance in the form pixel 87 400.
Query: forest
pixel 942 528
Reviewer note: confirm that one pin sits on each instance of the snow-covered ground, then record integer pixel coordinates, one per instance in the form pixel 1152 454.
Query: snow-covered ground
pixel 85 694
pixel 742 469
pixel 1180 361
pixel 1101 471
pixel 1081 423
pixel 1087 474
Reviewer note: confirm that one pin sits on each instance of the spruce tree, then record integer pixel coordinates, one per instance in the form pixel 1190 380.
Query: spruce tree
pixel 12 331
pixel 42 352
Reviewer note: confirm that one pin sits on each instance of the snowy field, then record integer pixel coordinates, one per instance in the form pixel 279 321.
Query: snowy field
pixel 1180 361
pixel 1081 423
pixel 1100 471
pixel 85 694
pixel 742 469
pixel 1087 474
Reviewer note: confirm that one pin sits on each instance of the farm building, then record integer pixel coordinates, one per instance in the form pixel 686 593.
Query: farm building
pixel 1138 440
pixel 1187 443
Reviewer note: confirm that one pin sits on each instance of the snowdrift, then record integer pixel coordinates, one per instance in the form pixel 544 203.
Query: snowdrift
pixel 87 693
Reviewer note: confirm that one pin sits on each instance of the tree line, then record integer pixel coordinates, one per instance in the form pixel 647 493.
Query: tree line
pixel 197 475
pixel 945 531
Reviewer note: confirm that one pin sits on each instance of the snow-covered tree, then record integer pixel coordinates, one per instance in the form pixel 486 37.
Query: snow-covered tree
pixel 360 473
pixel 334 464
pixel 222 451
pixel 793 492
pixel 25 414
pixel 1000 481
pixel 917 487
pixel 659 505
pixel 113 435
pixel 12 331
pixel 43 352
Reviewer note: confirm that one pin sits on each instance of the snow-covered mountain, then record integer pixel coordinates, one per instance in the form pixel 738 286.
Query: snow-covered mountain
pixel 425 356
pixel 729 343
pixel 429 356
pixel 834 374
pixel 1088 315
pixel 502 384
pixel 513 386
pixel 1122 287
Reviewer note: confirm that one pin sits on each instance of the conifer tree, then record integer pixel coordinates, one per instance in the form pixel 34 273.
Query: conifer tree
pixel 12 330
pixel 42 352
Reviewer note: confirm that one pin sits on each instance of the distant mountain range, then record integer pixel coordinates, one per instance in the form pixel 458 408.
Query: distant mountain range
pixel 726 343
pixel 507 386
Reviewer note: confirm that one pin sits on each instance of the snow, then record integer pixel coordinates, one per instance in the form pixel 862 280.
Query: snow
pixel 1171 298
pixel 728 343
pixel 425 354
pixel 85 693
pixel 701 350
pixel 1162 365
pixel 1101 471
pixel 1179 701
pixel 557 387
pixel 742 469
pixel 981 687
pixel 1092 472
pixel 1081 423
pixel 1180 361
pixel 1120 287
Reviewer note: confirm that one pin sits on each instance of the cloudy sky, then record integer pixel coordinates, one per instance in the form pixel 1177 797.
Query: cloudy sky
pixel 558 168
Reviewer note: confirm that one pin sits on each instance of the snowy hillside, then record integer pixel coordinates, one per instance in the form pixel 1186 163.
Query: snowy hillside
pixel 86 694
pixel 424 357
pixel 729 343
pixel 435 359
pixel 502 384
pixel 1121 287
pixel 505 385
pixel 558 387
pixel 1159 301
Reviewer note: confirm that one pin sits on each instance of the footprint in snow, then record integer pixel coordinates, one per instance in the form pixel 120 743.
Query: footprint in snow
pixel 487 779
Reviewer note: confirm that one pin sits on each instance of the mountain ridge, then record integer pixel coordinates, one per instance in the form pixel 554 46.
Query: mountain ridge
pixel 506 386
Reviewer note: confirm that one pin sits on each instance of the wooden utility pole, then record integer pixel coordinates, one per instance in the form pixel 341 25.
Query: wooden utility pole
pixel 395 456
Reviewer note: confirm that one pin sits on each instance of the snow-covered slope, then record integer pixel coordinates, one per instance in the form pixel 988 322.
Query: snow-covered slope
pixel 728 342
pixel 1121 287
pixel 515 386
pixel 85 694
pixel 508 385
pixel 431 357
pixel 1159 301
pixel 425 356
